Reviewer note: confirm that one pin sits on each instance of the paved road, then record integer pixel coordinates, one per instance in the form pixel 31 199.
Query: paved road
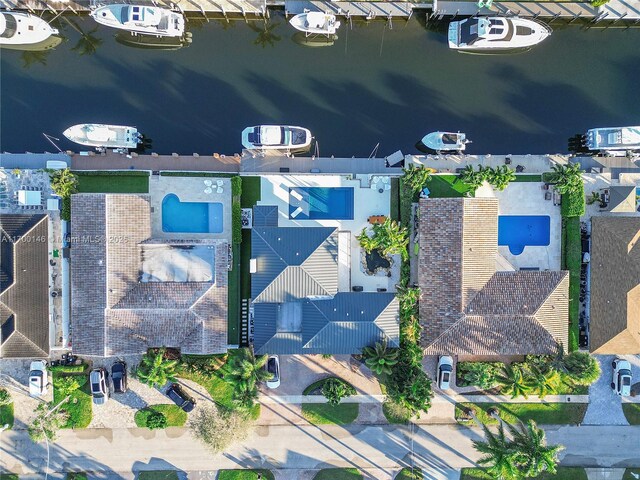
pixel 437 448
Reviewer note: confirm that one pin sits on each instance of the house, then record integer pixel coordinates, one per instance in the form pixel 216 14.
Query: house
pixel 467 306
pixel 299 305
pixel 24 285
pixel 620 199
pixel 614 325
pixel 130 291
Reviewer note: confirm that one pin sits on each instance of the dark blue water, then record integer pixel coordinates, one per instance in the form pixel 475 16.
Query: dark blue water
pixel 375 85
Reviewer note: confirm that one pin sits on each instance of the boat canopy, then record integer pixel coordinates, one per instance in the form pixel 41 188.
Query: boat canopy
pixel 8 25
pixel 618 138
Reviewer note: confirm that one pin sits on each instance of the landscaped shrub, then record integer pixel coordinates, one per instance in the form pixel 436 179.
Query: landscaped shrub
pixel 380 358
pixel 335 389
pixel 582 368
pixel 236 186
pixel 236 221
pixel 478 374
pixel 68 384
pixel 388 238
pixel 416 178
pixel 573 203
pixel 5 397
pixel 156 420
pixel 154 369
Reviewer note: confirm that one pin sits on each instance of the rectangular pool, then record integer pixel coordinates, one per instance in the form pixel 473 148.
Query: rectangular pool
pixel 519 231
pixel 321 203
pixel 190 217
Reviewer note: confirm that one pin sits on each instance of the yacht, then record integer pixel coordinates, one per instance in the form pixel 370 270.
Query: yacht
pixel 315 23
pixel 19 29
pixel 445 141
pixel 496 34
pixel 613 139
pixel 143 19
pixel 276 137
pixel 104 136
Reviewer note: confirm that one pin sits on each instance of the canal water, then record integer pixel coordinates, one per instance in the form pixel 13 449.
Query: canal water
pixel 375 85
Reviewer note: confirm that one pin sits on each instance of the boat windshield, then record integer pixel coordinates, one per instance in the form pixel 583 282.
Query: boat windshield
pixel 298 136
pixel 450 139
pixel 498 28
pixel 10 26
pixel 469 32
pixel 124 14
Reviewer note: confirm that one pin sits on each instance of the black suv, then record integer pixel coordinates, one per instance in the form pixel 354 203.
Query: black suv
pixel 180 397
pixel 119 377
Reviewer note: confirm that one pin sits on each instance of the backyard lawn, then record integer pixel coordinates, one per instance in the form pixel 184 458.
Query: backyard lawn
pixel 245 474
pixel 528 178
pixel 176 417
pixel 564 473
pixel 79 405
pixel 632 413
pixel 338 474
pixel 113 182
pixel 541 413
pixel 571 260
pixel 6 415
pixel 446 186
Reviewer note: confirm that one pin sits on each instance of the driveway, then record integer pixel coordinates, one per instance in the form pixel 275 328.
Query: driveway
pixel 14 376
pixel 605 407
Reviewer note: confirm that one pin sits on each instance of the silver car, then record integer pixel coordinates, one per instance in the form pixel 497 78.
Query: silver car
pixel 445 368
pixel 621 382
pixel 99 386
pixel 38 378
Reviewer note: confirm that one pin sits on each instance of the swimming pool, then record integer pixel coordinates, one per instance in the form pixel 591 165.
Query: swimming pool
pixel 321 203
pixel 519 231
pixel 190 217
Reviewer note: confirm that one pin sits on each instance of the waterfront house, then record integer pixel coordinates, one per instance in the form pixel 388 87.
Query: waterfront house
pixel 24 285
pixel 130 291
pixel 614 326
pixel 468 305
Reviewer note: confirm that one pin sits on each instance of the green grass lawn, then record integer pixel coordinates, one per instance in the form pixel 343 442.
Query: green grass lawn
pixel 564 473
pixel 9 476
pixel 409 474
pixel 158 475
pixel 76 476
pixel 627 474
pixel 528 178
pixel 541 413
pixel 571 260
pixel 233 295
pixel 632 413
pixel 338 474
pixel 245 474
pixel 323 413
pixel 6 415
pixel 176 417
pixel 446 186
pixel 79 406
pixel 251 193
pixel 123 182
pixel 395 413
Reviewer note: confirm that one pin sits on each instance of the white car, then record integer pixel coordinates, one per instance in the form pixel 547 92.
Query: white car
pixel 38 378
pixel 445 368
pixel 273 367
pixel 621 382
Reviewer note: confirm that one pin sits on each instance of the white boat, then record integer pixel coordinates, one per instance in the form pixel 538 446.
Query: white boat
pixel 276 137
pixel 145 19
pixel 104 136
pixel 445 141
pixel 496 34
pixel 19 29
pixel 315 23
pixel 613 139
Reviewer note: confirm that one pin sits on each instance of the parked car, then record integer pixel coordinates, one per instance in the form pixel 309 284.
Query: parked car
pixel 445 367
pixel 273 367
pixel 181 398
pixel 621 382
pixel 119 377
pixel 99 387
pixel 38 378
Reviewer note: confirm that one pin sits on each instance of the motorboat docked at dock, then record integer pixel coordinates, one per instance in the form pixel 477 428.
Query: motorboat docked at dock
pixel 445 141
pixel 19 29
pixel 276 137
pixel 496 34
pixel 315 23
pixel 612 139
pixel 144 19
pixel 104 136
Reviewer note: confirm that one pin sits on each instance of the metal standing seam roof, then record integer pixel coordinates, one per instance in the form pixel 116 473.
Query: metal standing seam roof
pixel 24 285
pixel 265 216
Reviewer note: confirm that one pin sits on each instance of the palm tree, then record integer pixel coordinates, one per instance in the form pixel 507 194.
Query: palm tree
pixel 245 395
pixel 155 369
pixel 391 238
pixel 368 244
pixel 501 176
pixel 558 362
pixel 541 382
pixel 265 34
pixel 582 368
pixel 379 358
pixel 498 456
pixel 512 382
pixel 416 177
pixel 248 369
pixel 567 178
pixel 532 455
pixel 473 179
pixel 64 183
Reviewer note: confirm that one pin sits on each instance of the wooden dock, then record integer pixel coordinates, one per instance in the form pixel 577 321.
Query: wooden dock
pixel 576 10
pixel 368 10
pixel 155 162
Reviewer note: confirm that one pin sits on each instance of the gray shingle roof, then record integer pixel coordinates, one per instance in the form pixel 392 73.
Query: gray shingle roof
pixel 622 199
pixel 614 326
pixel 113 313
pixel 467 307
pixel 24 285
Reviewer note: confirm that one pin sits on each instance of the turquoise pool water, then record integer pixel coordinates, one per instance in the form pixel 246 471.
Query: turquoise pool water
pixel 190 217
pixel 519 231
pixel 321 203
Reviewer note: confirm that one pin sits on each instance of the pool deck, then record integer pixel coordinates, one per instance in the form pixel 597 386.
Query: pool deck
pixel 367 202
pixel 524 198
pixel 188 189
